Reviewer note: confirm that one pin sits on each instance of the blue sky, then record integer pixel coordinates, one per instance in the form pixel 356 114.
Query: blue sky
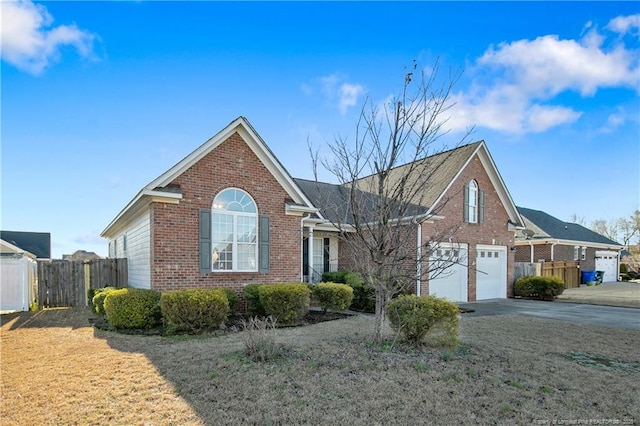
pixel 99 98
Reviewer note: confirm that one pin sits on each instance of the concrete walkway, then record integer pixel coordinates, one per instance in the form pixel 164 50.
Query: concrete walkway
pixel 625 294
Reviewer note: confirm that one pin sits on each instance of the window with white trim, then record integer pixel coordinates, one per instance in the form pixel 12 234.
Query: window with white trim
pixel 472 202
pixel 234 232
pixel 583 256
pixel 576 252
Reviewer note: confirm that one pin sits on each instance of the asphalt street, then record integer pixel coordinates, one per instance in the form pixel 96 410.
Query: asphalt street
pixel 608 316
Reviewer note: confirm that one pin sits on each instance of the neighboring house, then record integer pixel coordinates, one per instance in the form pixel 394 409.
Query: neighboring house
pixel 37 243
pixel 81 256
pixel 229 214
pixel 548 239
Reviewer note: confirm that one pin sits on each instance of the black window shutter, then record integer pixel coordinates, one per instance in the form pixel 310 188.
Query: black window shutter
pixel 263 249
pixel 465 211
pixel 325 255
pixel 204 237
pixel 481 206
pixel 305 256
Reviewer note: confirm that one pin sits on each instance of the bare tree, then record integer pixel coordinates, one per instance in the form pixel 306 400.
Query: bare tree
pixel 608 228
pixel 628 228
pixel 385 173
pixel 580 220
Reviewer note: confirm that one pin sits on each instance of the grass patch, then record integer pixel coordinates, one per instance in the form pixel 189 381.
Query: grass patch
pixel 505 372
pixel 604 362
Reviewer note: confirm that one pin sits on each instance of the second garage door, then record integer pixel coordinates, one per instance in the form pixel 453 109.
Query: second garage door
pixel 491 272
pixel 449 272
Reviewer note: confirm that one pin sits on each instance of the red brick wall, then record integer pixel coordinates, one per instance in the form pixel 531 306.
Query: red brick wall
pixel 493 231
pixel 561 252
pixel 174 236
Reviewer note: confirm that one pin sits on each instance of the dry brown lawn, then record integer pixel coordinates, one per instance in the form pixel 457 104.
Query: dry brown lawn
pixel 56 369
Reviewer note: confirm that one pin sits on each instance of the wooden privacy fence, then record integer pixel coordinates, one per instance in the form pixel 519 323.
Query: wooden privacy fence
pixel 62 283
pixel 568 272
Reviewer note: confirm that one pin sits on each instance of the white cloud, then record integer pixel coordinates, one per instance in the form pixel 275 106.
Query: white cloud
pixel 349 94
pixel 30 43
pixel 527 74
pixel 625 24
pixel 339 91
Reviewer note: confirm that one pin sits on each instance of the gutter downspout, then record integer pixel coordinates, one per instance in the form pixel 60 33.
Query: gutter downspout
pixel 418 258
pixel 306 216
pixel 552 246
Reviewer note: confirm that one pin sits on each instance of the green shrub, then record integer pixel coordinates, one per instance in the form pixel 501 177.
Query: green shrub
pixel 335 277
pixel 632 275
pixel 133 308
pixel 232 298
pixel 545 288
pixel 333 296
pixel 624 277
pixel 96 297
pixel 252 297
pixel 286 302
pixel 624 268
pixel 364 297
pixel 415 316
pixel 194 310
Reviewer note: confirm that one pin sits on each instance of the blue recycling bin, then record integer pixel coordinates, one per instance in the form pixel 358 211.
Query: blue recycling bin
pixel 588 276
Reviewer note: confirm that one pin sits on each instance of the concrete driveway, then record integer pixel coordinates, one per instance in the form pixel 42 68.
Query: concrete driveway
pixel 608 316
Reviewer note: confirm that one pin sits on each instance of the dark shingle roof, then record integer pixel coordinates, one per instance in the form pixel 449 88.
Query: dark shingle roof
pixel 37 243
pixel 546 226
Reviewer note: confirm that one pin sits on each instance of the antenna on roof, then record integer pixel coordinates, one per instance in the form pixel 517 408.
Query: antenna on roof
pixel 528 233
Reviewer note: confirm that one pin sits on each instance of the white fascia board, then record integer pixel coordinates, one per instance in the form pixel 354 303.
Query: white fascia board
pixel 255 143
pixel 544 241
pixel 298 210
pixel 499 185
pixel 135 206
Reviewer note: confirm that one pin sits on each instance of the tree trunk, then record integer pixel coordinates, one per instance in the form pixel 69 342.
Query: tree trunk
pixel 381 313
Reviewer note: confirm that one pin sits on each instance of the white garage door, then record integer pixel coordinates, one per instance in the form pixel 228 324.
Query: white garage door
pixel 448 272
pixel 607 261
pixel 491 272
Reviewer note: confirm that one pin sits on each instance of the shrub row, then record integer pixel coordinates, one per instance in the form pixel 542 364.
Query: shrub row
pixel 193 310
pixel 333 296
pixel 545 288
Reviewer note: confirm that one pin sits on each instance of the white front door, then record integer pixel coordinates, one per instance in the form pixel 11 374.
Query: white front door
pixel 448 272
pixel 491 272
pixel 607 261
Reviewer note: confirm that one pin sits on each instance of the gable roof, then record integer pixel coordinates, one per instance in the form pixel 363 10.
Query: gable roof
pixel 160 189
pixel 543 226
pixel 440 172
pixel 37 243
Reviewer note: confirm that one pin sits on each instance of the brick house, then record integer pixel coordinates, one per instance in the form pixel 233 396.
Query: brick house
pixel 229 214
pixel 548 239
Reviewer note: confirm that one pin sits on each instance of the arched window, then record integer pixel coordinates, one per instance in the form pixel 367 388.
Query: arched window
pixel 471 202
pixel 234 231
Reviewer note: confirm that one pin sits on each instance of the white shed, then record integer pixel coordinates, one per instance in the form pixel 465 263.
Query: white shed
pixel 18 278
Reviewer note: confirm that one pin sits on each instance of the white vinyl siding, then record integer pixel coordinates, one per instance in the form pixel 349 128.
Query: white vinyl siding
pixel 137 237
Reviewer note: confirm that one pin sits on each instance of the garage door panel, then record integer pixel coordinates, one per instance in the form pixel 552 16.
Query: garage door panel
pixel 607 261
pixel 491 272
pixel 449 272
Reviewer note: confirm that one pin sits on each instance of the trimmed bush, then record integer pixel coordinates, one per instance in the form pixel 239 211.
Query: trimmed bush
pixel 415 316
pixel 232 298
pixel 133 308
pixel 364 297
pixel 334 277
pixel 96 297
pixel 632 274
pixel 194 310
pixel 252 296
pixel 286 302
pixel 544 288
pixel 624 268
pixel 333 296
